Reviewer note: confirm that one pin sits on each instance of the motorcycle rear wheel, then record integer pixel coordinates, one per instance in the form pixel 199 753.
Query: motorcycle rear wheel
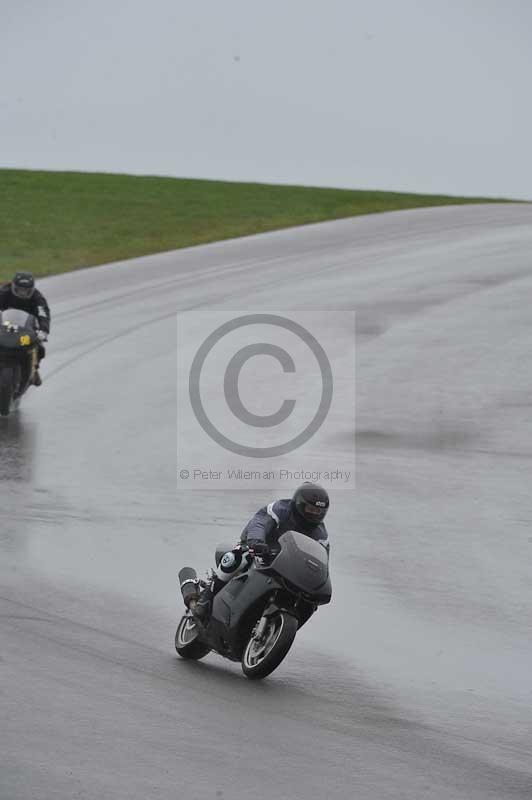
pixel 260 658
pixel 186 640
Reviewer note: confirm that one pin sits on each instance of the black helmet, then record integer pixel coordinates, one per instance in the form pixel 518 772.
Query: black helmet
pixel 23 285
pixel 311 503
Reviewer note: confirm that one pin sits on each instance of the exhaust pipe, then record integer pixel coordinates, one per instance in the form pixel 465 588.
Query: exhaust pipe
pixel 189 584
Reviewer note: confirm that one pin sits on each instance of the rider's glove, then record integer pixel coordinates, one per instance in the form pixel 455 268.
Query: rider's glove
pixel 259 547
pixel 42 336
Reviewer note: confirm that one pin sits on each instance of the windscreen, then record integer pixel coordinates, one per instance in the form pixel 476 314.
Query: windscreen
pixel 307 546
pixel 16 317
pixel 302 561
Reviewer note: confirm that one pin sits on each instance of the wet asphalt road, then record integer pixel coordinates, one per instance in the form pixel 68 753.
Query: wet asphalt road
pixel 416 681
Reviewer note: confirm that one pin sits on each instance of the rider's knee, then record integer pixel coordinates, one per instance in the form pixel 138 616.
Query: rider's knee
pixel 230 563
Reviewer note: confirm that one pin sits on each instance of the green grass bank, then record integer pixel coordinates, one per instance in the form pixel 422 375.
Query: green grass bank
pixel 52 222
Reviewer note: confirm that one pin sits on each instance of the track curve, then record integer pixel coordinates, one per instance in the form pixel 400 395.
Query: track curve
pixel 415 683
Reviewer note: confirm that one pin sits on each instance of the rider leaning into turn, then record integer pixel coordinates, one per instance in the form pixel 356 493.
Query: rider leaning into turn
pixel 303 513
pixel 21 293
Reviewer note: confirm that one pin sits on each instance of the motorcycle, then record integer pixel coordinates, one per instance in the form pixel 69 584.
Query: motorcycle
pixel 256 615
pixel 19 348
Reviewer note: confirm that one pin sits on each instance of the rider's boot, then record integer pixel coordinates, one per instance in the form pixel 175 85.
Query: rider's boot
pixel 37 380
pixel 202 604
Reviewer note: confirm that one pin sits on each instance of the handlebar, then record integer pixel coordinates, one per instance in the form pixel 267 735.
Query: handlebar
pixel 262 550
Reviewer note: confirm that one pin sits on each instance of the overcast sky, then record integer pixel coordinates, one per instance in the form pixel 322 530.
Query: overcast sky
pixel 431 96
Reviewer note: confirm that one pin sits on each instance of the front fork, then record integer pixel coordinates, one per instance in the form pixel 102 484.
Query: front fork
pixel 270 611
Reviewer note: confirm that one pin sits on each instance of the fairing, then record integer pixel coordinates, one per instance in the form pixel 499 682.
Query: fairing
pixel 17 329
pixel 302 561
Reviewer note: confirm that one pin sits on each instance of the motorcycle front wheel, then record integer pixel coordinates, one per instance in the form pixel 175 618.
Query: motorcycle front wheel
pixel 7 380
pixel 262 656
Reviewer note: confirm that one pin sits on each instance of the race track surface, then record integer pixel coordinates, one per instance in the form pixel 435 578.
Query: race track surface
pixel 416 681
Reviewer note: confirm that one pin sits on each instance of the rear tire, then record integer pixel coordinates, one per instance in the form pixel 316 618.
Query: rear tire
pixel 7 380
pixel 260 659
pixel 187 644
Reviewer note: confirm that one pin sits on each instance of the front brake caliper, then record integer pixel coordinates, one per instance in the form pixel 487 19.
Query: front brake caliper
pixel 260 629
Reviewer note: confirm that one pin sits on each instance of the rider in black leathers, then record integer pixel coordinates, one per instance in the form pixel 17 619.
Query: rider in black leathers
pixel 304 513
pixel 21 293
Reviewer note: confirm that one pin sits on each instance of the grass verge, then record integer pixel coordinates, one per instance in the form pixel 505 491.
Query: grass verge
pixel 53 222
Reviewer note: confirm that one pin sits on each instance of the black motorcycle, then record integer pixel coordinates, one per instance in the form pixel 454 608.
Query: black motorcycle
pixel 19 347
pixel 257 614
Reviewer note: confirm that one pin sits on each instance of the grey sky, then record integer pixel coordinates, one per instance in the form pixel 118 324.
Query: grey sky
pixel 428 96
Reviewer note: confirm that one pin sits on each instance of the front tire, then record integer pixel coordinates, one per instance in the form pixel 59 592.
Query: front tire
pixel 7 379
pixel 187 644
pixel 260 658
